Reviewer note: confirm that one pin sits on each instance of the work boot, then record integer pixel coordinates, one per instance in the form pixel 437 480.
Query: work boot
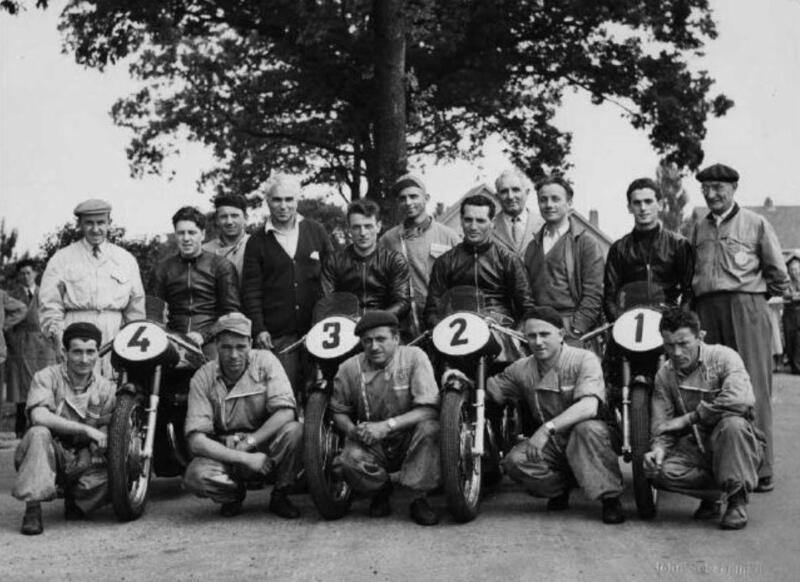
pixel 32 520
pixel 765 485
pixel 71 510
pixel 231 509
pixel 422 512
pixel 612 510
pixel 708 510
pixel 281 505
pixel 559 503
pixel 736 514
pixel 380 506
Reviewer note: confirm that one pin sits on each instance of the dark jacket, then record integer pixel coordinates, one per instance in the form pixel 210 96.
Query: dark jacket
pixel 490 267
pixel 660 258
pixel 278 292
pixel 570 277
pixel 380 280
pixel 197 291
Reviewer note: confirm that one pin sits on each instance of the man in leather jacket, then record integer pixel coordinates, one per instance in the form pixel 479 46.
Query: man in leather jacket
pixel 377 276
pixel 198 286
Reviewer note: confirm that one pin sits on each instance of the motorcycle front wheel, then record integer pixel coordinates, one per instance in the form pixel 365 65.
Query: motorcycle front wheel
pixel 644 493
pixel 128 471
pixel 461 470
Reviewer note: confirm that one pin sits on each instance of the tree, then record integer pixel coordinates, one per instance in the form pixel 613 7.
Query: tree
pixel 8 240
pixel 670 180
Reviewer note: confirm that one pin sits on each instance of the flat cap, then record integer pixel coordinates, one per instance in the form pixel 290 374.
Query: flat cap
pixel 373 319
pixel 547 314
pixel 234 200
pixel 82 330
pixel 92 206
pixel 408 181
pixel 233 322
pixel 718 173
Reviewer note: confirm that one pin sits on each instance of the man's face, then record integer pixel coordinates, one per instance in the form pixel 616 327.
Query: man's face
pixel 682 347
pixel 364 231
pixel 189 236
pixel 27 276
pixel 231 221
pixel 513 194
pixel 81 356
pixel 233 351
pixel 544 339
pixel 554 204
pixel 476 224
pixel 644 207
pixel 282 202
pixel 794 270
pixel 412 203
pixel 380 344
pixel 94 227
pixel 718 195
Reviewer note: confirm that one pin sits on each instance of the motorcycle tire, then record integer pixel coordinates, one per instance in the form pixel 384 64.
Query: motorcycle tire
pixel 643 491
pixel 321 444
pixel 461 472
pixel 128 474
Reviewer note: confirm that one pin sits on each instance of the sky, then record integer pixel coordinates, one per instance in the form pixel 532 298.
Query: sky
pixel 58 144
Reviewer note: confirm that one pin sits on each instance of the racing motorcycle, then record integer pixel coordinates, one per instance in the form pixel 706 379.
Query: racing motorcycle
pixel 145 436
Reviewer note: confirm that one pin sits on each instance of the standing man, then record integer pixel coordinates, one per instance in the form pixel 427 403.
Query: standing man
pixel 563 386
pixel 420 239
pixel 703 436
pixel 377 276
pixel 281 282
pixel 739 266
pixel 241 423
pixel 385 400
pixel 70 408
pixel 565 262
pixel 91 280
pixel 28 349
pixel 231 216
pixel 515 225
pixel 791 314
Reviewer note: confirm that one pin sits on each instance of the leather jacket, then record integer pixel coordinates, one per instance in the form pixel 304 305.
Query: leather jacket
pixel 660 258
pixel 490 267
pixel 379 280
pixel 197 291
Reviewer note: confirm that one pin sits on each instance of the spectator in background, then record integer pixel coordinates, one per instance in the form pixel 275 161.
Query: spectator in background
pixel 231 217
pixel 515 225
pixel 791 315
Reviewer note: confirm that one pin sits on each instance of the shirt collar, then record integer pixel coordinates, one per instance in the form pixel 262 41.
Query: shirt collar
pixel 88 246
pixel 557 233
pixel 268 226
pixel 521 217
pixel 725 215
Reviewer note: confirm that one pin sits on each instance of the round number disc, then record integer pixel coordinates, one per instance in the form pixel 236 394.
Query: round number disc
pixel 139 341
pixel 332 337
pixel 636 330
pixel 461 334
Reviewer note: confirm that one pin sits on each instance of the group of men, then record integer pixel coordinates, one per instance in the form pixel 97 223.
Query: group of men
pixel 245 297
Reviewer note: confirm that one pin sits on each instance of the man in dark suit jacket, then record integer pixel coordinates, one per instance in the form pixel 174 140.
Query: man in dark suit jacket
pixel 281 275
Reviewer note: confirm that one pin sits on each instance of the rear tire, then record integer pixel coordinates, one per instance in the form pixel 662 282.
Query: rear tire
pixel 643 491
pixel 461 471
pixel 128 473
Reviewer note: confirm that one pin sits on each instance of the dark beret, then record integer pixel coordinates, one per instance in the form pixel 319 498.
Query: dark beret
pixel 235 200
pixel 718 173
pixel 408 181
pixel 81 330
pixel 373 319
pixel 547 314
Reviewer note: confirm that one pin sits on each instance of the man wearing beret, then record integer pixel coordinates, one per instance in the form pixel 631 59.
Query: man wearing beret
pixel 738 266
pixel 241 423
pixel 69 408
pixel 420 239
pixel 91 280
pixel 563 387
pixel 385 400
pixel 231 217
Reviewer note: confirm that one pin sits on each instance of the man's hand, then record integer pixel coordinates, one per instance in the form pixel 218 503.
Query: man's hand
pixel 372 432
pixel 257 462
pixel 653 460
pixel 264 341
pixel 241 443
pixel 196 337
pixel 536 444
pixel 58 349
pixel 96 435
pixel 674 424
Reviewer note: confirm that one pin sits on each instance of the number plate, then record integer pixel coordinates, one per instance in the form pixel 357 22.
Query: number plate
pixel 139 341
pixel 332 337
pixel 461 334
pixel 637 330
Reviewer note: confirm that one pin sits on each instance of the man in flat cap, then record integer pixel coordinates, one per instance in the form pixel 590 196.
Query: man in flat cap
pixel 420 239
pixel 385 400
pixel 91 280
pixel 515 226
pixel 69 408
pixel 231 217
pixel 241 423
pixel 738 266
pixel 564 389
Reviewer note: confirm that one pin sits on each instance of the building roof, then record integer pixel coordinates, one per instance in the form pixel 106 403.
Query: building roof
pixel 784 219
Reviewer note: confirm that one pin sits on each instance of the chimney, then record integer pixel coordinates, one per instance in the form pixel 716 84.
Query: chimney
pixel 593 218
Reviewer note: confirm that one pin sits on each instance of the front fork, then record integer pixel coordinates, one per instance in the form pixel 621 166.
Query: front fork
pixel 152 412
pixel 627 451
pixel 480 409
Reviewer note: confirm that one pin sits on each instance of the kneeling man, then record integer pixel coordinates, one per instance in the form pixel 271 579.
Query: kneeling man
pixel 387 403
pixel 69 407
pixel 241 423
pixel 703 391
pixel 563 387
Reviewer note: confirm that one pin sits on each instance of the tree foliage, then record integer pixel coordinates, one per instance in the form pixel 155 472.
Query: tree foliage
pixel 670 180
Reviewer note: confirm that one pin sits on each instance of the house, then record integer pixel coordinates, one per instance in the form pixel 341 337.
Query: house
pixel 451 216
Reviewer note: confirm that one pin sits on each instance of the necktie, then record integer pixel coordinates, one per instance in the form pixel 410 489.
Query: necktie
pixel 96 250
pixel 30 295
pixel 516 229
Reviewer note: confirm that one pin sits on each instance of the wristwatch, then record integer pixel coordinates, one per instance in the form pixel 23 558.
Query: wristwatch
pixel 250 441
pixel 551 428
pixel 391 423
